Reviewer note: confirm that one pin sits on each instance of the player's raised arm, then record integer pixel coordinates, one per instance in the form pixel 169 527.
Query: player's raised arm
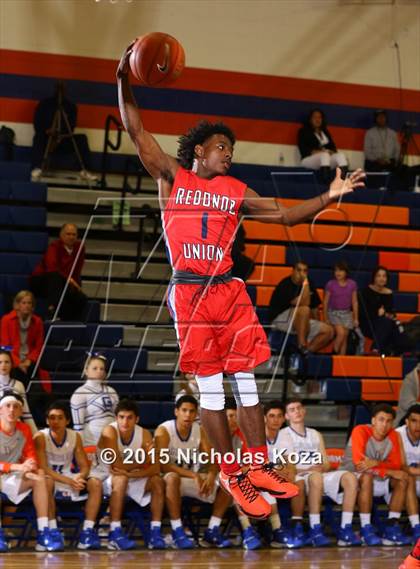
pixel 160 165
pixel 268 210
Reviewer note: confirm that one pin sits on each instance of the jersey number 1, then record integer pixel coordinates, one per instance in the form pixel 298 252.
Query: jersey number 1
pixel 204 226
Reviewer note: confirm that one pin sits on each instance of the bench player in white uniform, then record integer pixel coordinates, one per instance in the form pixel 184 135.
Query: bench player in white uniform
pixel 410 438
pixel 58 449
pixel 179 436
pixel 274 417
pixel 314 478
pixel 11 385
pixel 19 471
pixel 134 473
pixel 93 403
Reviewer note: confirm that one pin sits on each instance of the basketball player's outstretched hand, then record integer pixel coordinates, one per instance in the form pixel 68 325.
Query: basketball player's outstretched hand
pixel 123 65
pixel 339 187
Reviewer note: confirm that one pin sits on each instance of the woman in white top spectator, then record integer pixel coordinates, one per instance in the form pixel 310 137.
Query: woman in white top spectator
pixel 317 146
pixel 94 402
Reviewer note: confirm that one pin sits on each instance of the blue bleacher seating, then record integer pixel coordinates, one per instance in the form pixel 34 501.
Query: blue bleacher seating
pixel 362 415
pixel 15 171
pixel 18 263
pixel 11 284
pixel 29 191
pixel 319 365
pixel 104 334
pixel 344 389
pixel 316 257
pixel 415 217
pixel 23 191
pixel 408 365
pixel 23 215
pixel 29 241
pixel 119 359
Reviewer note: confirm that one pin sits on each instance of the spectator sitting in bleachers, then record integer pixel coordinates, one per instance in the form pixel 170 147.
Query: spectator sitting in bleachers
pixel 61 142
pixel 317 148
pixel 11 385
pixel 24 332
pixel 295 297
pixel 126 477
pixel 182 474
pixel 315 479
pixel 340 306
pixel 381 147
pixel 93 403
pixel 377 317
pixel 374 453
pixel 409 393
pixel 58 448
pixel 410 437
pixel 63 261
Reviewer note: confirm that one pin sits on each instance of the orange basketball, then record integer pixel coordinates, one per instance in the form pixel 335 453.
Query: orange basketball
pixel 157 59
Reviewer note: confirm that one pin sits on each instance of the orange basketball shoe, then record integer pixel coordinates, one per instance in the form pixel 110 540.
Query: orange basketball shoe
pixel 245 495
pixel 267 479
pixel 410 562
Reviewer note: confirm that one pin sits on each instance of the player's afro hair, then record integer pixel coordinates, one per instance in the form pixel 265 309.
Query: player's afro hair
pixel 198 135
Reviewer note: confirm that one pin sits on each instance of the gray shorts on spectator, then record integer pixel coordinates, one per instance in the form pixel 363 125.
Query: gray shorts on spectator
pixel 281 322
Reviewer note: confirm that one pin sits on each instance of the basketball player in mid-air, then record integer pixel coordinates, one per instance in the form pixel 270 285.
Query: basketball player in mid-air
pixel 217 329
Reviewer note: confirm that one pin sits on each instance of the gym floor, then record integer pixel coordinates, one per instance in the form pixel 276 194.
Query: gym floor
pixel 337 558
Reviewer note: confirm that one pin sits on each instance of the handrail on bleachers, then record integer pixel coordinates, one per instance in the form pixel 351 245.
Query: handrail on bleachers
pixel 147 213
pixel 110 120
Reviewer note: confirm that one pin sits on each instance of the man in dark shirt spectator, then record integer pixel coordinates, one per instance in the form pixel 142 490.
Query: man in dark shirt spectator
pixel 62 262
pixel 294 304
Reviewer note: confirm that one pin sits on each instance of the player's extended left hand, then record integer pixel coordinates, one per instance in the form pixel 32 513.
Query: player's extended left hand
pixel 340 187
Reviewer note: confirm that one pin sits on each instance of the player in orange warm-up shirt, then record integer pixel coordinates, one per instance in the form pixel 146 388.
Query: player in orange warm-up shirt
pixel 19 470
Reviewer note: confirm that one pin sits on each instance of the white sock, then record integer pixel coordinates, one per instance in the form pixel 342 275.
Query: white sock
pixel 394 515
pixel 414 520
pixel 244 521
pixel 275 521
pixel 314 519
pixel 88 524
pixel 346 518
pixel 214 522
pixel 42 523
pixel 52 524
pixel 115 525
pixel 364 520
pixel 175 524
pixel 155 524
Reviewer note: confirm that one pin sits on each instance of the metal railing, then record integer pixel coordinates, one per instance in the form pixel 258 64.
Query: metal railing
pixel 110 120
pixel 147 213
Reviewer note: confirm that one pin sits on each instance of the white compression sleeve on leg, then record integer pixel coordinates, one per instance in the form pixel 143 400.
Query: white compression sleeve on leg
pixel 244 389
pixel 212 394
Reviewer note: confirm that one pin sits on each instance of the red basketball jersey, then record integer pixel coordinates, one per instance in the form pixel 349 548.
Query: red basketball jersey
pixel 200 221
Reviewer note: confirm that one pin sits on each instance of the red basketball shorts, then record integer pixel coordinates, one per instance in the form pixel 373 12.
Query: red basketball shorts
pixel 218 330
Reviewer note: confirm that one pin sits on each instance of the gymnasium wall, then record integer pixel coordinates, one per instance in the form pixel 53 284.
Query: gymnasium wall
pixel 259 65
